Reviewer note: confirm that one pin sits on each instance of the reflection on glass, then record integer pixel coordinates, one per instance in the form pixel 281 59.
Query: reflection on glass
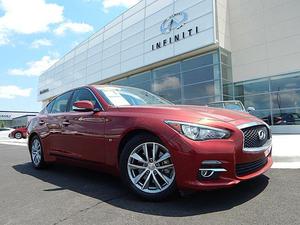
pixel 257 101
pixel 286 83
pixel 286 117
pixel 199 90
pixel 198 61
pixel 265 115
pixel 198 75
pixel 199 101
pixel 289 99
pixel 171 82
pixel 248 88
pixel 166 71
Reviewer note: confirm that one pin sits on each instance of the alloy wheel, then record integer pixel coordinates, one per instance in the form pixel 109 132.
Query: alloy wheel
pixel 36 152
pixel 150 168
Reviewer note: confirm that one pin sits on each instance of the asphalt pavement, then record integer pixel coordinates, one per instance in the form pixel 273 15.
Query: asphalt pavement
pixel 70 195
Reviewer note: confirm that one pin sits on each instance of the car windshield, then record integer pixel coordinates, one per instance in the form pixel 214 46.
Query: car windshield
pixel 234 106
pixel 126 96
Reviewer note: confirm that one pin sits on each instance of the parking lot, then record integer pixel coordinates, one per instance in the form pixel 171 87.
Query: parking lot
pixel 68 195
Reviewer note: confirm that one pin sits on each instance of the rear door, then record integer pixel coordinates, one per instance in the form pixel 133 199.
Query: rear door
pixel 83 132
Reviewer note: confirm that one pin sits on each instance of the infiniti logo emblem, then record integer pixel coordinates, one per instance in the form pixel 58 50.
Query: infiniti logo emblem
pixel 262 135
pixel 175 21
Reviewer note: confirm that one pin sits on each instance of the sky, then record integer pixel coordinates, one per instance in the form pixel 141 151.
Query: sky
pixel 34 34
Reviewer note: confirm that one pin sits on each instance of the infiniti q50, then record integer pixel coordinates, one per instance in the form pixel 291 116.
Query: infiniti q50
pixel 156 147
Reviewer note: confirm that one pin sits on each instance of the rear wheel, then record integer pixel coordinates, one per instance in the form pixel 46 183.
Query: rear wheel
pixel 147 169
pixel 36 153
pixel 18 135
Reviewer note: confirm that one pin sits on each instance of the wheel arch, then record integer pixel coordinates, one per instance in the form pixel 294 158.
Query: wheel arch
pixel 30 139
pixel 132 133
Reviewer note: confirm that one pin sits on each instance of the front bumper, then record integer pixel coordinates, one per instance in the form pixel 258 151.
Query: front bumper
pixel 233 163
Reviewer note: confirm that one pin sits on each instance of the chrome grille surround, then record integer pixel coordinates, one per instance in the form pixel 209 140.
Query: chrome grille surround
pixel 251 141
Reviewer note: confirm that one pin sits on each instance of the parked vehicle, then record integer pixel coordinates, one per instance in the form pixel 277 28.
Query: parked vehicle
pixel 18 133
pixel 232 105
pixel 155 146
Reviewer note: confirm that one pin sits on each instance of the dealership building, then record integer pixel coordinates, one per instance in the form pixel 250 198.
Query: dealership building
pixel 196 52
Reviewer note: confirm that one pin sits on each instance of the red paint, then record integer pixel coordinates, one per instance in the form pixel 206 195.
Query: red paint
pixel 93 139
pixel 22 130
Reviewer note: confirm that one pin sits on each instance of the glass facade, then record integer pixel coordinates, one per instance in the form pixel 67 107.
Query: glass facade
pixel 276 99
pixel 195 81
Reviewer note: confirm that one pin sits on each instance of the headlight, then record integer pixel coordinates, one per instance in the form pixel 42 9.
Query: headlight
pixel 198 132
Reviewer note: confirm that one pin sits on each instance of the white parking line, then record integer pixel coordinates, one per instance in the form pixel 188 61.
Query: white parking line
pixel 12 143
pixel 286 165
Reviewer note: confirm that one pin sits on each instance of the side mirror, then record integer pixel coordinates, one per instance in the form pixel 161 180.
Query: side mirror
pixel 83 106
pixel 250 109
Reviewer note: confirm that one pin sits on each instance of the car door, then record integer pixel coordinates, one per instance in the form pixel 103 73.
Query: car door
pixel 83 132
pixel 55 123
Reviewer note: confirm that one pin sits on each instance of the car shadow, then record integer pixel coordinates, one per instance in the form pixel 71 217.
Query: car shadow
pixel 109 189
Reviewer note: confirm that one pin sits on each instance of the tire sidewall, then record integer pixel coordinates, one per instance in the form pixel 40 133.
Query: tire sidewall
pixel 128 148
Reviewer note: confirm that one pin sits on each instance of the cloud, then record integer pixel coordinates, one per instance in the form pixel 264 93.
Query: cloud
pixel 114 3
pixel 35 68
pixel 34 16
pixel 12 91
pixel 75 27
pixel 30 16
pixel 40 42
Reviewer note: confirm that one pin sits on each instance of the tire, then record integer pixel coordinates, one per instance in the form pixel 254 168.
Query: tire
pixel 36 153
pixel 151 178
pixel 18 135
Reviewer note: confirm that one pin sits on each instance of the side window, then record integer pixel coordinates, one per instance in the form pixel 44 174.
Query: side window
pixel 61 103
pixel 49 107
pixel 84 94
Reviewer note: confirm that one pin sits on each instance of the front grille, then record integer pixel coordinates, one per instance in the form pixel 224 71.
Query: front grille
pixel 252 139
pixel 247 168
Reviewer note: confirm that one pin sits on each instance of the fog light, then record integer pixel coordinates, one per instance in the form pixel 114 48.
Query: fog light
pixel 210 169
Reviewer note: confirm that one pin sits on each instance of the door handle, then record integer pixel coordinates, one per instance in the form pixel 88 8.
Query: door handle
pixel 66 123
pixel 41 122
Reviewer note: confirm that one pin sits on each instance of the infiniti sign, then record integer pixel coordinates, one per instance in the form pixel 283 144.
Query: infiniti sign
pixel 262 135
pixel 175 21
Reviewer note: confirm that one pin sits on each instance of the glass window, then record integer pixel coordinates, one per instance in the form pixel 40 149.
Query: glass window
pixel 198 61
pixel 286 99
pixel 199 90
pixel 254 87
pixel 145 85
pixel 170 94
pixel 166 71
pixel 257 101
pixel 227 88
pixel 48 108
pixel 122 82
pixel 198 75
pixel 139 78
pixel 286 83
pixel 61 103
pixel 170 82
pixel 264 115
pixel 286 117
pixel 84 94
pixel 226 72
pixel 226 57
pixel 199 101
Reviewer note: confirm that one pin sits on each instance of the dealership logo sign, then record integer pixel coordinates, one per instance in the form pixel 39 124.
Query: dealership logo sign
pixel 173 22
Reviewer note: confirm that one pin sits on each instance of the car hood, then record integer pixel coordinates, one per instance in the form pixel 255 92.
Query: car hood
pixel 202 112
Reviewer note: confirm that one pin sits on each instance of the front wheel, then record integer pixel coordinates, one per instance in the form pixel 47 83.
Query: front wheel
pixel 36 153
pixel 147 169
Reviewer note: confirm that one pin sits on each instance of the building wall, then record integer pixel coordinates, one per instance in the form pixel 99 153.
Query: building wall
pixel 265 37
pixel 127 44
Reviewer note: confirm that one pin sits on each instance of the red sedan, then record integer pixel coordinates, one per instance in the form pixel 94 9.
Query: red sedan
pixel 155 146
pixel 18 133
